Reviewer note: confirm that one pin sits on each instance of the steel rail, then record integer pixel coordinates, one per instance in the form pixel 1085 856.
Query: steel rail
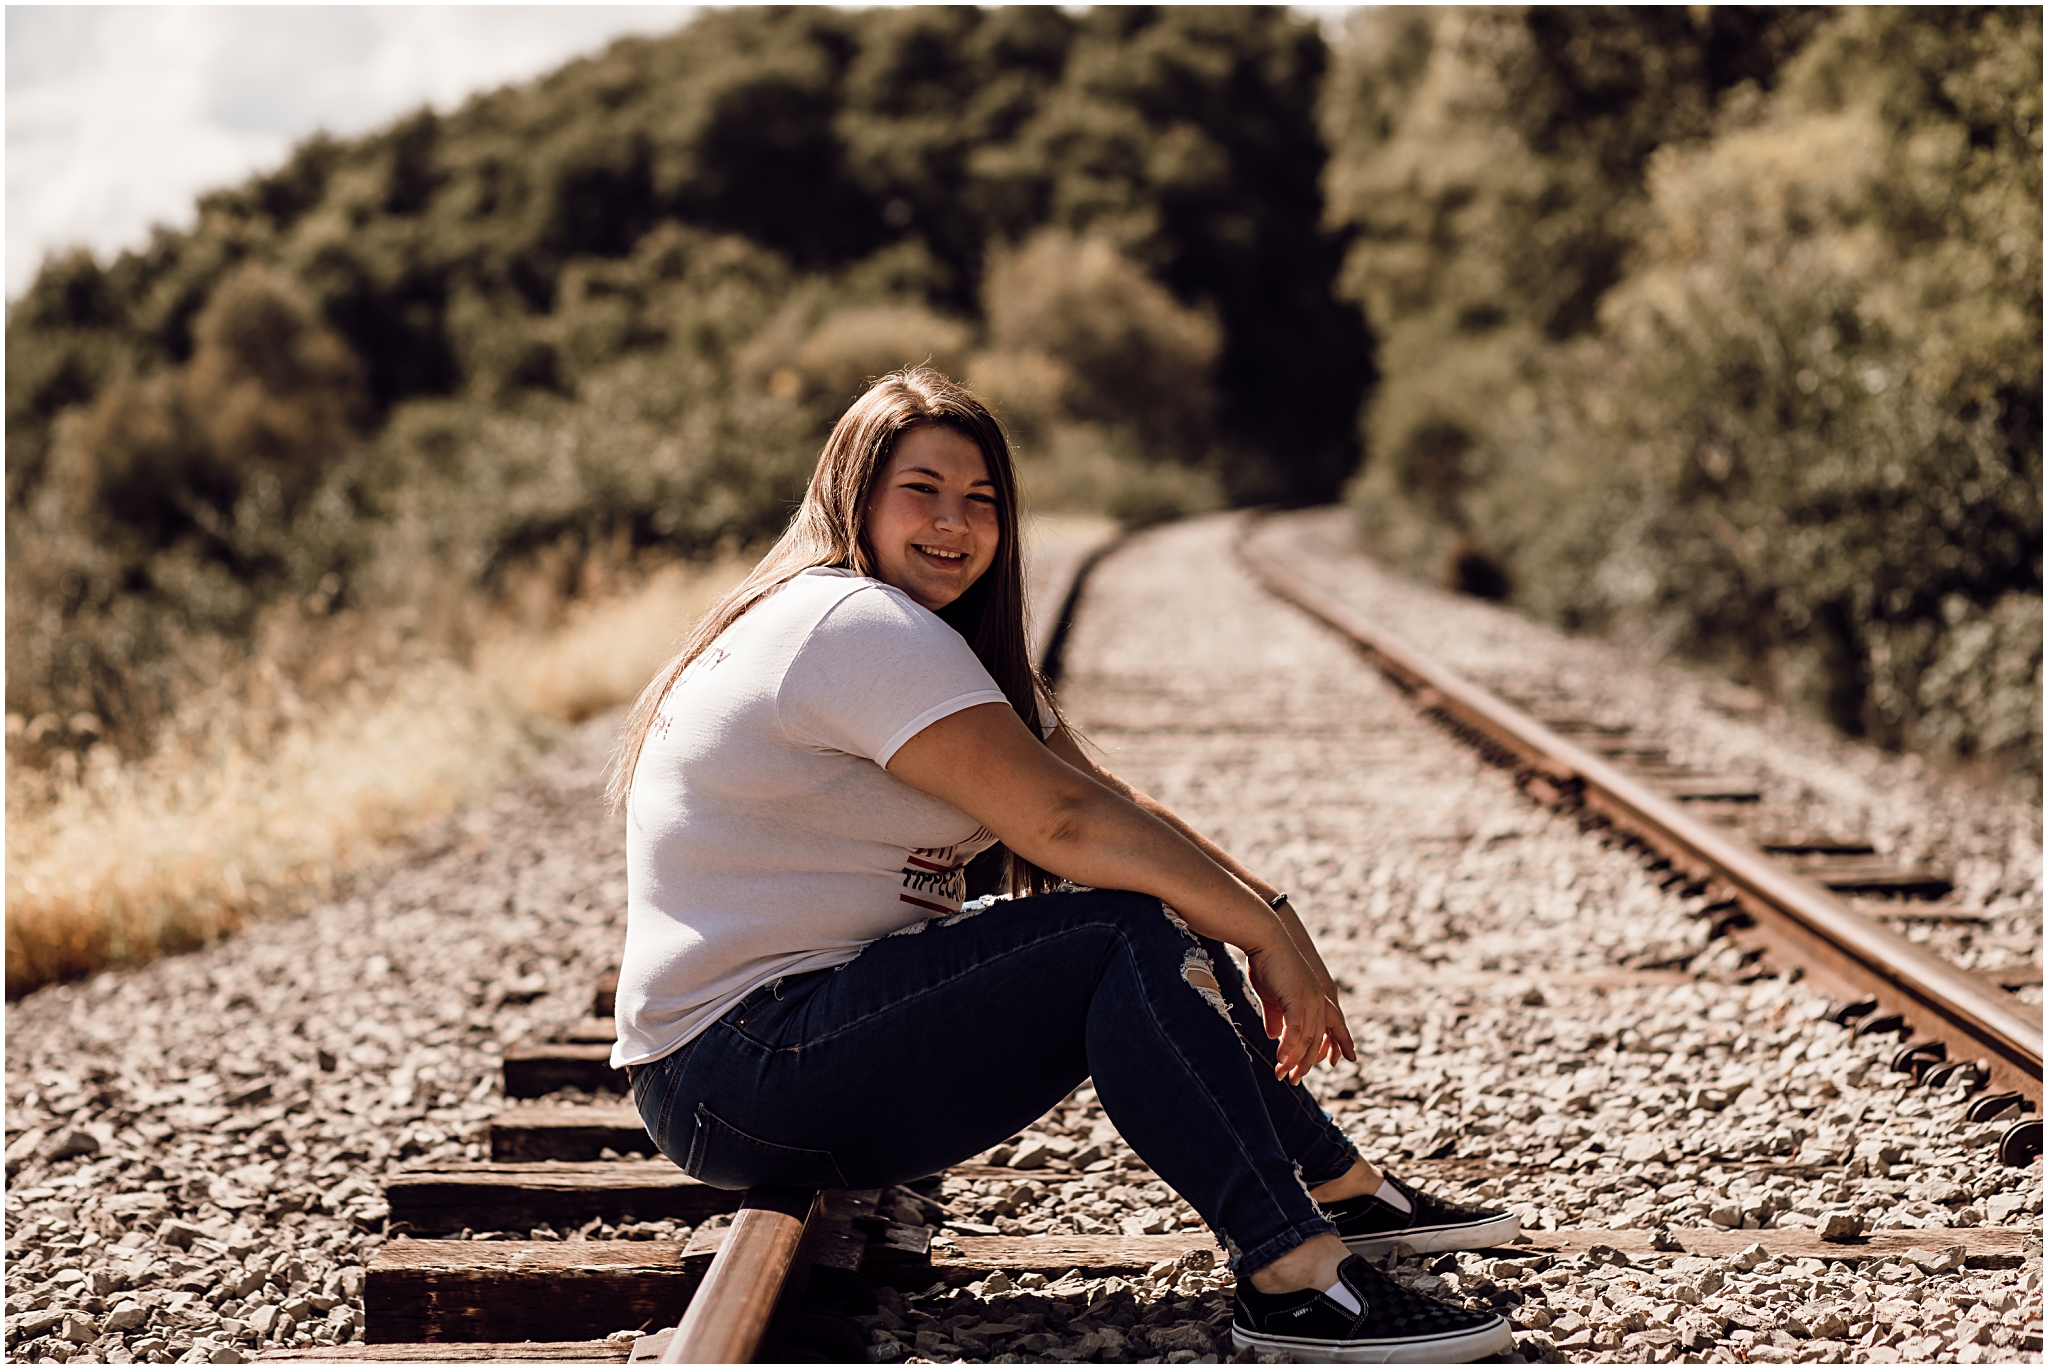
pixel 729 1314
pixel 1847 953
pixel 1052 654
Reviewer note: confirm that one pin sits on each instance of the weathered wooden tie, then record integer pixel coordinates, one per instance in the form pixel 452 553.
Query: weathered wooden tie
pixel 965 1259
pixel 462 1292
pixel 508 1291
pixel 1843 865
pixel 553 1131
pixel 521 1196
pixel 536 1069
pixel 1872 875
pixel 452 1294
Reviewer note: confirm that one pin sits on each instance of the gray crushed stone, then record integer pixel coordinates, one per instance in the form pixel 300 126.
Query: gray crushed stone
pixel 1812 780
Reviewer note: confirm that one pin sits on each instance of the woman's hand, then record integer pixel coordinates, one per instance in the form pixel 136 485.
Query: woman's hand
pixel 1300 1013
pixel 1340 1032
pixel 1063 744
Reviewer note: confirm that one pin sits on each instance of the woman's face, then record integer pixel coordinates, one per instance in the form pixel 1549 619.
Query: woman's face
pixel 931 518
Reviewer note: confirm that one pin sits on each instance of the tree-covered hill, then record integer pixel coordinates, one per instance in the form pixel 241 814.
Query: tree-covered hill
pixel 1717 330
pixel 623 301
pixel 916 142
pixel 1713 328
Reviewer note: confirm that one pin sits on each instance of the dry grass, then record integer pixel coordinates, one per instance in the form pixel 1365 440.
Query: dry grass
pixel 332 737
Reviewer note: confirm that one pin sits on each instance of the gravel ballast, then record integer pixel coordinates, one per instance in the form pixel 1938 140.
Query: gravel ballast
pixel 196 1148
pixel 1810 778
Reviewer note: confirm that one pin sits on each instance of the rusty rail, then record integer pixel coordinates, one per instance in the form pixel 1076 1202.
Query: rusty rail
pixel 1846 953
pixel 729 1314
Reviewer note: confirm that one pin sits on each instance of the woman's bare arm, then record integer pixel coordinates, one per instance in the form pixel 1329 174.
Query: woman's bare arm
pixel 985 762
pixel 1069 749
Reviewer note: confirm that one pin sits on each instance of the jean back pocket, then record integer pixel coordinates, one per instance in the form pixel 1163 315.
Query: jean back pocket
pixel 723 1156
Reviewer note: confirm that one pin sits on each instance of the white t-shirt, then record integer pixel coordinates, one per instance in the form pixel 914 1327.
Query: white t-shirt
pixel 764 837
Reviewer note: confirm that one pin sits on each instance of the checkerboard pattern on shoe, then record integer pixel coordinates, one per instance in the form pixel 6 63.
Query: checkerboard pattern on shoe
pixel 1394 1325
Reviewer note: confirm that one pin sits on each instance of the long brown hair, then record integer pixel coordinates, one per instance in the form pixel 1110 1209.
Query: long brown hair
pixel 827 530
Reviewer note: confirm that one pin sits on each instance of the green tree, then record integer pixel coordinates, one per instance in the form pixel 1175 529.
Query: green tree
pixel 1800 434
pixel 1490 163
pixel 1187 137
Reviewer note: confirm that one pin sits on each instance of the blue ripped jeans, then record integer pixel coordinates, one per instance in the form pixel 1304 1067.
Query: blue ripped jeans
pixel 941 1041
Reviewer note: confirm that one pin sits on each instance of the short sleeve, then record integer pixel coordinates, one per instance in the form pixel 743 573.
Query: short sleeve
pixel 876 670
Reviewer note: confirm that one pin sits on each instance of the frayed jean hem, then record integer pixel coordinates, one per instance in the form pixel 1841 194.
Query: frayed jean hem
pixel 1246 1262
pixel 1343 1168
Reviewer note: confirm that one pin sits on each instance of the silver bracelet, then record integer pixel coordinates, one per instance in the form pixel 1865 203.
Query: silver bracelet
pixel 1275 901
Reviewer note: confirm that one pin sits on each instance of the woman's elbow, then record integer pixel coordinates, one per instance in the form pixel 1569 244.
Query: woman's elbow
pixel 1063 825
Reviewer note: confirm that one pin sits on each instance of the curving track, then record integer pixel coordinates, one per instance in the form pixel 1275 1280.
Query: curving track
pixel 1953 1016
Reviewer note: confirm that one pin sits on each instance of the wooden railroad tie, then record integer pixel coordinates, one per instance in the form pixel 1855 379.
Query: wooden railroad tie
pixel 551 1300
pixel 566 1296
pixel 572 1131
pixel 1846 866
pixel 521 1196
pixel 534 1070
pixel 767 1273
pixel 578 1056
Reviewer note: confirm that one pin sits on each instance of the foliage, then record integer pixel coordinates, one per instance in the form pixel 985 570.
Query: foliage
pixel 1795 425
pixel 1491 162
pixel 1187 138
pixel 1103 376
pixel 267 782
pixel 624 301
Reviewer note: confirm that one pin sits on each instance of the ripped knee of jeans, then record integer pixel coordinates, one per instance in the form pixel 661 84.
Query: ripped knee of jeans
pixel 1199 972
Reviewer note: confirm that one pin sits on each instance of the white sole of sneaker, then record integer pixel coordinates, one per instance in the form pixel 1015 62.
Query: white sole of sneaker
pixel 1458 1348
pixel 1482 1236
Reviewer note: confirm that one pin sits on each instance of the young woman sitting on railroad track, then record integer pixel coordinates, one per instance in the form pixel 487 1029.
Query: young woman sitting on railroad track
pixel 802 1000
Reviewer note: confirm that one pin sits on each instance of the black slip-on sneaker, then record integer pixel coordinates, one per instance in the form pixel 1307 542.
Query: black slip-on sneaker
pixel 1373 1226
pixel 1394 1325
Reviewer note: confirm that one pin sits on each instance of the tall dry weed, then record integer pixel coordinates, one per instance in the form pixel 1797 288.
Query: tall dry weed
pixel 330 740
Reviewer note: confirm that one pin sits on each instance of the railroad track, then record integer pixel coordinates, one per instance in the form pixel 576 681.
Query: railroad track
pixel 777 1274
pixel 1775 894
pixel 1541 1027
pixel 782 1273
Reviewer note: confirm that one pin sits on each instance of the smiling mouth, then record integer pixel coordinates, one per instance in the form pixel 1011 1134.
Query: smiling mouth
pixel 940 554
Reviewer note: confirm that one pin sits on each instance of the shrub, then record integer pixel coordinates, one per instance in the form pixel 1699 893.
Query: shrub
pixel 1104 377
pixel 1803 439
pixel 1125 354
pixel 270 397
pixel 1490 164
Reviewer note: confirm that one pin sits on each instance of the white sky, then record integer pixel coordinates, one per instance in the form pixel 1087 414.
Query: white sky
pixel 118 117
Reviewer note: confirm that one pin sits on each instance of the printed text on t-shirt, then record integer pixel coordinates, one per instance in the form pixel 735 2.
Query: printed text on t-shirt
pixel 941 873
